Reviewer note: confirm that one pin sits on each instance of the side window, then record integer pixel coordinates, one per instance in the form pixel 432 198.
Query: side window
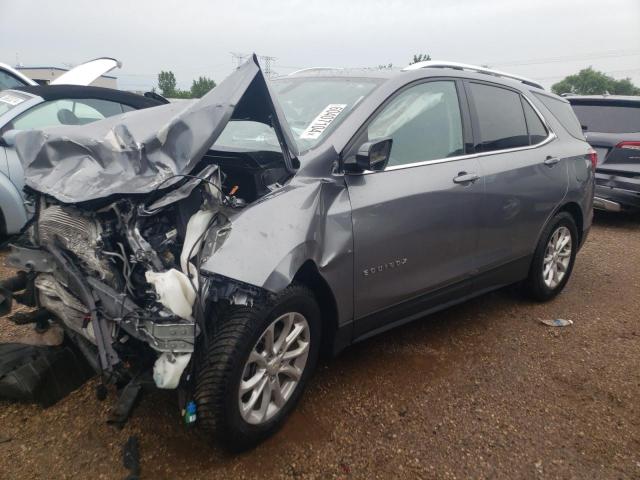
pixel 89 110
pixel 44 115
pixel 66 112
pixel 500 118
pixel 561 109
pixel 423 121
pixel 537 130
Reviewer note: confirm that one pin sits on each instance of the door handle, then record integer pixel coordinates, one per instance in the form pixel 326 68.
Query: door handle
pixel 465 178
pixel 551 161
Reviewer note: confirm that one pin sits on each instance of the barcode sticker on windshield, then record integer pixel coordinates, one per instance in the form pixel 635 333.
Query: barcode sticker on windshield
pixel 11 99
pixel 322 121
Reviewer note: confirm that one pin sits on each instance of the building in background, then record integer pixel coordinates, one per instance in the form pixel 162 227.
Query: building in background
pixel 45 75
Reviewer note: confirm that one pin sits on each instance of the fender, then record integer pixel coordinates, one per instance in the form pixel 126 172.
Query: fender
pixel 266 243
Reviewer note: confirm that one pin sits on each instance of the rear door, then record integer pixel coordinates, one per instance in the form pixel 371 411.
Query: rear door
pixel 525 179
pixel 415 228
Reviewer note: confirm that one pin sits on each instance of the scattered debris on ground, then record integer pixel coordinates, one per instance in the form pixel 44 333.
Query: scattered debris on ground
pixel 557 322
pixel 131 457
pixel 40 374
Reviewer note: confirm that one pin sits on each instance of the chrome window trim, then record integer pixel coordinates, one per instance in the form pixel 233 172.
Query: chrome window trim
pixel 550 137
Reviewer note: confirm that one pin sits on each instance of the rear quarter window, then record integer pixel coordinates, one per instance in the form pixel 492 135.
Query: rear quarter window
pixel 561 109
pixel 537 131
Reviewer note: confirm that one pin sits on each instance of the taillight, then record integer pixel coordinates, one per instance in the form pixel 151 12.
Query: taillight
pixel 593 156
pixel 629 145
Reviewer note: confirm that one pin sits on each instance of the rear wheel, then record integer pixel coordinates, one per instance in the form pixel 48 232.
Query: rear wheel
pixel 256 366
pixel 553 259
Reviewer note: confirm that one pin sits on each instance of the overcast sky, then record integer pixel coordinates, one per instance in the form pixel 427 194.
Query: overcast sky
pixel 542 39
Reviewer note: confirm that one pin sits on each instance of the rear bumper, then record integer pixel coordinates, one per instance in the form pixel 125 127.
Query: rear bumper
pixel 617 190
pixel 615 199
pixel 608 205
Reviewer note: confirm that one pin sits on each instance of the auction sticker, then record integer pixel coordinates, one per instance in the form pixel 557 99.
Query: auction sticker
pixel 12 100
pixel 322 121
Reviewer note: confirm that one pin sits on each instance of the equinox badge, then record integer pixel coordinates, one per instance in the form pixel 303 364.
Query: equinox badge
pixel 385 266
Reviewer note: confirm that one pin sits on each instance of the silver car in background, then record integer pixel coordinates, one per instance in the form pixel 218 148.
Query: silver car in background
pixel 223 244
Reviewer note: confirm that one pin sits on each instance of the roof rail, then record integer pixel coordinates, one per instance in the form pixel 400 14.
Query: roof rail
pixel 473 68
pixel 313 69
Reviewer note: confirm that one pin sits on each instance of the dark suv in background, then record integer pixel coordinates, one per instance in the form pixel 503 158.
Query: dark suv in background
pixel 612 126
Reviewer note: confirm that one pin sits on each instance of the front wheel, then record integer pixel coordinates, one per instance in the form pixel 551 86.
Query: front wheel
pixel 553 259
pixel 256 366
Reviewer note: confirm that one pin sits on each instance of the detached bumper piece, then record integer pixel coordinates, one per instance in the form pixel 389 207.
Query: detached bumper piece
pixel 42 375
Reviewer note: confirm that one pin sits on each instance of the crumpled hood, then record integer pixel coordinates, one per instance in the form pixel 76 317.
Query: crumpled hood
pixel 136 152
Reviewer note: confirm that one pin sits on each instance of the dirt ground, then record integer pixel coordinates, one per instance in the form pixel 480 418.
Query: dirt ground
pixel 483 390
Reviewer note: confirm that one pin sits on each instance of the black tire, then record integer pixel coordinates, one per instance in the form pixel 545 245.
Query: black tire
pixel 535 286
pixel 220 366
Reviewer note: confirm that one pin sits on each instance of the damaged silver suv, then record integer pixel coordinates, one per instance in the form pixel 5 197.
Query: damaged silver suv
pixel 221 245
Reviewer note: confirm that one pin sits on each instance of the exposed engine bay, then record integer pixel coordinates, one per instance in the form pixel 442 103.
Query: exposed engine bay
pixel 132 234
pixel 122 273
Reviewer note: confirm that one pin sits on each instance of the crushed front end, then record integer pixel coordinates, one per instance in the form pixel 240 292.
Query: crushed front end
pixel 112 274
pixel 126 211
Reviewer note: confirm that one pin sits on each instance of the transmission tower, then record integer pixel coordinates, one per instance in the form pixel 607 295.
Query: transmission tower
pixel 265 60
pixel 268 62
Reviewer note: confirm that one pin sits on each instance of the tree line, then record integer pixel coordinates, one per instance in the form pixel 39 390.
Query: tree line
pixel 168 87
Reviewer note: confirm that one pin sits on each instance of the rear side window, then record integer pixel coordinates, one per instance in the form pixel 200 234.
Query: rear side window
pixel 609 118
pixel 537 130
pixel 562 111
pixel 501 118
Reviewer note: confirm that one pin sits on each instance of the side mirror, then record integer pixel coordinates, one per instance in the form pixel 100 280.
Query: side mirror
pixel 8 138
pixel 584 128
pixel 374 156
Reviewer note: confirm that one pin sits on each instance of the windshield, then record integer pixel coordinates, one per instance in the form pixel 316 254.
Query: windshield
pixel 605 118
pixel 313 106
pixel 10 99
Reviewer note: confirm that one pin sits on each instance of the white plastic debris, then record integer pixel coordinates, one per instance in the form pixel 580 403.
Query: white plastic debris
pixel 195 228
pixel 168 369
pixel 174 291
pixel 557 322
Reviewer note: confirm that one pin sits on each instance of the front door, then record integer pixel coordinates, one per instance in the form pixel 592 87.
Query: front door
pixel 415 223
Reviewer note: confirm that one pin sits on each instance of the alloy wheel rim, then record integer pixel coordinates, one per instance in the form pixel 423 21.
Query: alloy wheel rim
pixel 274 368
pixel 557 256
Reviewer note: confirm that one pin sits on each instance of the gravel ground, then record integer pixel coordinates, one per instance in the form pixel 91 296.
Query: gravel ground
pixel 482 390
